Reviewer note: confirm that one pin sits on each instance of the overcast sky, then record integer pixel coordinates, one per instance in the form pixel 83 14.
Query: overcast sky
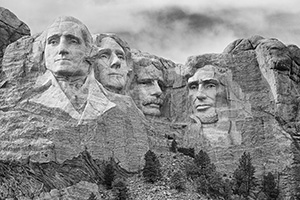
pixel 173 29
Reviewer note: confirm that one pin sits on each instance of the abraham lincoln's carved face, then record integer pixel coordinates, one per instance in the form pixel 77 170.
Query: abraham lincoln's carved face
pixel 203 88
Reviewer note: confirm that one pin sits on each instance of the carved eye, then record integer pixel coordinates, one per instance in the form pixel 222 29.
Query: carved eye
pixel 53 41
pixel 210 86
pixel 193 86
pixel 121 56
pixel 145 82
pixel 74 41
pixel 104 56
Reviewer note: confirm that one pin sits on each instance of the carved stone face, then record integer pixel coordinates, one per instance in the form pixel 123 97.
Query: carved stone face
pixel 112 65
pixel 65 50
pixel 148 91
pixel 203 88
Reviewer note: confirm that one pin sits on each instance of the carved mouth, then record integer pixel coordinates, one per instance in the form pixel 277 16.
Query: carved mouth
pixel 62 59
pixel 203 107
pixel 154 105
pixel 115 74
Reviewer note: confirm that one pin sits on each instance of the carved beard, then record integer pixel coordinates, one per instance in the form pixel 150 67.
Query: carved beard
pixel 208 117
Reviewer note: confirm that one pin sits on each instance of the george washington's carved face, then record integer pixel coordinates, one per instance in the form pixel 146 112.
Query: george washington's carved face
pixel 203 88
pixel 66 49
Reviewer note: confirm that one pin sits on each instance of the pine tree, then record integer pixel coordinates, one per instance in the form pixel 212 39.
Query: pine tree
pixel 202 166
pixel 204 173
pixel 202 185
pixel 227 189
pixel 269 186
pixel 121 190
pixel 187 151
pixel 109 175
pixel 202 160
pixel 151 171
pixel 92 196
pixel 244 176
pixel 178 182
pixel 173 147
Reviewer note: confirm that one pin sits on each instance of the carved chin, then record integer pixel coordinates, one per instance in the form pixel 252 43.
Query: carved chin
pixel 208 117
pixel 115 83
pixel 147 110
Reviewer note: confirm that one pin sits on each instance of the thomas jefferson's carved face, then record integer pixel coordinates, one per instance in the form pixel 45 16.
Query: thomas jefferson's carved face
pixel 203 87
pixel 148 91
pixel 112 65
pixel 65 49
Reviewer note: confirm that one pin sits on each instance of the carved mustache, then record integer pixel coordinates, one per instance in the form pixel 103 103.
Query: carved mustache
pixel 153 101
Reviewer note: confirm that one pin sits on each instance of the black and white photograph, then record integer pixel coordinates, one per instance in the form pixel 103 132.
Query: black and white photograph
pixel 149 100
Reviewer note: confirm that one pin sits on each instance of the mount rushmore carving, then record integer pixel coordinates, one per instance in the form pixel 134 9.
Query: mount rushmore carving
pixel 65 92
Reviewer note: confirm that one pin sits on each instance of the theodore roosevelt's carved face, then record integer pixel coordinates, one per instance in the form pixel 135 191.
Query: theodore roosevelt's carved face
pixel 112 65
pixel 203 88
pixel 148 92
pixel 66 49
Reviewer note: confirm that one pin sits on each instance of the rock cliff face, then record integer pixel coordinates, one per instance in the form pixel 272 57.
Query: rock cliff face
pixel 244 99
pixel 260 112
pixel 11 29
pixel 48 140
pixel 114 132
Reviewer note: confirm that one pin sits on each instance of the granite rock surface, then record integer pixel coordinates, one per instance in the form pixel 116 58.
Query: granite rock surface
pixel 260 114
pixel 255 90
pixel 11 29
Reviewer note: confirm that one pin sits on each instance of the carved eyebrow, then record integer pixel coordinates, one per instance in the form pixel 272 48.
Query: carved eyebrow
pixel 70 37
pixel 193 82
pixel 144 79
pixel 104 51
pixel 53 37
pixel 118 51
pixel 207 81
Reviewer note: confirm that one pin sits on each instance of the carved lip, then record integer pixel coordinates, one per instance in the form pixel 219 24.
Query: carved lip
pixel 203 106
pixel 154 105
pixel 62 59
pixel 114 74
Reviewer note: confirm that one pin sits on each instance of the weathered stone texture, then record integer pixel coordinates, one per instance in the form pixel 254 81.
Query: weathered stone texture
pixel 263 101
pixel 31 130
pixel 11 29
pixel 257 110
pixel 169 75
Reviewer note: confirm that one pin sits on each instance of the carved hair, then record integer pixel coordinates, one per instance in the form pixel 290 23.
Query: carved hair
pixel 147 61
pixel 124 45
pixel 86 35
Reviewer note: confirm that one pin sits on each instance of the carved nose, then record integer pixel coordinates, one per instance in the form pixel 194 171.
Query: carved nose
pixel 201 94
pixel 62 48
pixel 115 63
pixel 156 90
pixel 63 52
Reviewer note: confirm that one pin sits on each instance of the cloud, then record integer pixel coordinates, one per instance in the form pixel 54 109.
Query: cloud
pixel 173 29
pixel 175 33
